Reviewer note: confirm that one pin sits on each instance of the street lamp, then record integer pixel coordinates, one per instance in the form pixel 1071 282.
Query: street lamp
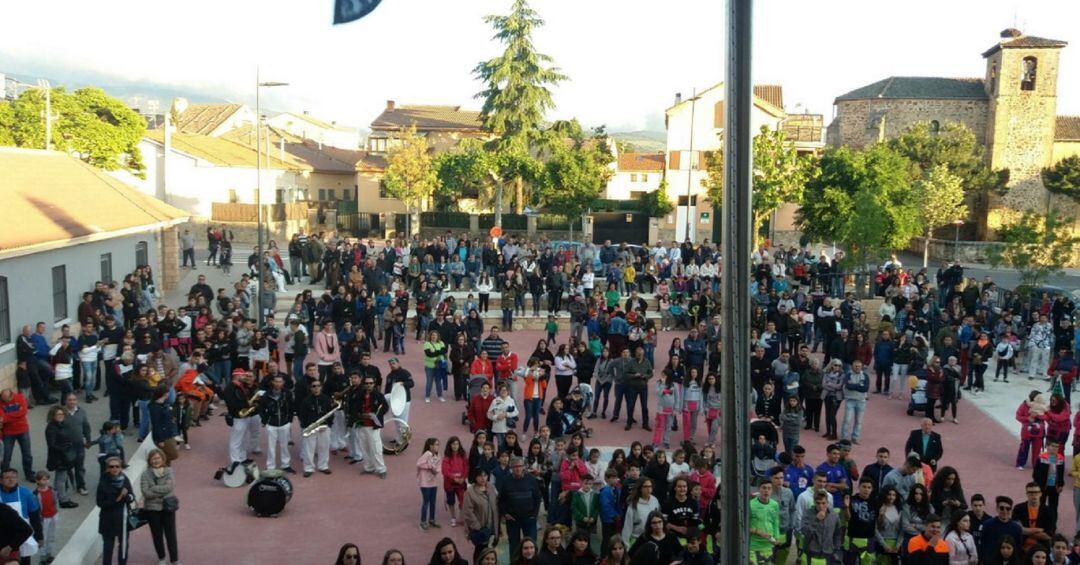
pixel 259 85
pixel 690 166
pixel 956 241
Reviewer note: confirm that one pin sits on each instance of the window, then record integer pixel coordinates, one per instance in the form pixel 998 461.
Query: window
pixel 633 177
pixel 279 196
pixel 142 254
pixel 322 194
pixel 59 293
pixel 382 190
pixel 346 194
pixel 1028 72
pixel 935 127
pixel 377 144
pixel 233 199
pixel 106 268
pixel 644 177
pixel 5 313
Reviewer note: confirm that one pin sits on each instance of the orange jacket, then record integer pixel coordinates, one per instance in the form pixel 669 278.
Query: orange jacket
pixel 531 378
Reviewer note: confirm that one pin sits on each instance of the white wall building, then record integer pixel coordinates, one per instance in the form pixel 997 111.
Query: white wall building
pixel 636 174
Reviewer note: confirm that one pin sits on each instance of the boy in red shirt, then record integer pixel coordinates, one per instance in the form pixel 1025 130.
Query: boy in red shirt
pixel 50 516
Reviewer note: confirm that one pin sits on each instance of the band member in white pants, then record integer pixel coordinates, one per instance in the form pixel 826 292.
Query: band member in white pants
pixel 398 374
pixel 277 411
pixel 369 411
pixel 238 395
pixel 350 422
pixel 316 447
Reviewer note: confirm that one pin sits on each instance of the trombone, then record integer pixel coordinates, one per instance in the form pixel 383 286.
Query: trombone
pixel 318 425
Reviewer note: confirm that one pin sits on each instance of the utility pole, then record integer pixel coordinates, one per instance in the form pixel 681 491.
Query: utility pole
pixel 735 292
pixel 690 165
pixel 258 188
pixel 47 88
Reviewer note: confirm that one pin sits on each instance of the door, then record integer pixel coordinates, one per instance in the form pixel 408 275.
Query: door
pixel 621 227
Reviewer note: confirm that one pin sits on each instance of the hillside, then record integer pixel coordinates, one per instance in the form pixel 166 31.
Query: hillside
pixel 643 141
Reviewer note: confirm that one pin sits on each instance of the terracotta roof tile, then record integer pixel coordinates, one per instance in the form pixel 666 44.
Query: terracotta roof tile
pixel 1067 128
pixel 371 163
pixel 299 150
pixel 203 119
pixel 52 197
pixel 641 162
pixel 771 93
pixel 225 152
pixel 451 118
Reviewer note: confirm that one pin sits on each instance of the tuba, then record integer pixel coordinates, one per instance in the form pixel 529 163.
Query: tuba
pixel 397 403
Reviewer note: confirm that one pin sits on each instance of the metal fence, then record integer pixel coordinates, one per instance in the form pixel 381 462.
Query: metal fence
pixel 458 220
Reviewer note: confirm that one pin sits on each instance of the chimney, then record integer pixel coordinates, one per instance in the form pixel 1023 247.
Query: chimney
pixel 305 112
pixel 389 105
pixel 678 97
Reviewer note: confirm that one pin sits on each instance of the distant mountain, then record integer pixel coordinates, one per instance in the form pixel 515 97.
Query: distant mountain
pixel 643 141
pixel 148 97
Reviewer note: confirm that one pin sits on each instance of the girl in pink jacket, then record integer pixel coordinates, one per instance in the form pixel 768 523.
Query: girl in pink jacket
pixel 428 471
pixel 1058 421
pixel 455 471
pixel 1032 417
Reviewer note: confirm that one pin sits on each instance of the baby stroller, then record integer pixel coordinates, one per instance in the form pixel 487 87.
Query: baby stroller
pixel 578 405
pixel 918 397
pixel 475 382
pixel 763 442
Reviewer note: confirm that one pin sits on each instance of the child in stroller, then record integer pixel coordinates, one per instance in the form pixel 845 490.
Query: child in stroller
pixel 475 382
pixel 764 439
pixel 917 386
pixel 577 406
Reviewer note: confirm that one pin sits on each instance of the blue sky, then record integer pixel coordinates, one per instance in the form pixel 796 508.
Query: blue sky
pixel 626 58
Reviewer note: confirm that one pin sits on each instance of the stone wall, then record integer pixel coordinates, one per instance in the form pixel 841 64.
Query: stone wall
pixel 863 122
pixel 967 252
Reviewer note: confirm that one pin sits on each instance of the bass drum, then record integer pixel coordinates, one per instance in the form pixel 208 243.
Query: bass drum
pixel 269 495
pixel 392 446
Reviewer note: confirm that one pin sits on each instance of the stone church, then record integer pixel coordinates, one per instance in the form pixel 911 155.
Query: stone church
pixel 1012 110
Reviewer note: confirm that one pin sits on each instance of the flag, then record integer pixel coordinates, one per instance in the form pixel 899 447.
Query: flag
pixel 346 11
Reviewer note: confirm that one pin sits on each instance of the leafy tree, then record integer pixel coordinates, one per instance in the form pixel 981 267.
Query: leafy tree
pixel 1064 178
pixel 1037 246
pixel 658 203
pixel 98 128
pixel 940 196
pixel 955 146
pixel 779 175
pixel 516 94
pixel 410 173
pixel 862 200
pixel 466 172
pixel 575 174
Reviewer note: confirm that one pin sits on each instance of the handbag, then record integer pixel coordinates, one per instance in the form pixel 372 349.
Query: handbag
pixel 135 518
pixel 170 503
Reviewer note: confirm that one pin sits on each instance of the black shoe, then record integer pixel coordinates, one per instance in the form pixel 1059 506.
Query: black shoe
pixel 248 461
pixel 615 419
pixel 307 474
pixel 289 470
pixel 69 504
pixel 627 428
pixel 646 427
pixel 325 471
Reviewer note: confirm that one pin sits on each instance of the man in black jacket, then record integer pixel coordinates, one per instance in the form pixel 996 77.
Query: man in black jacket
pixel 519 503
pixel 369 409
pixel 276 411
pixel 315 451
pixel 877 470
pixel 926 442
pixel 237 395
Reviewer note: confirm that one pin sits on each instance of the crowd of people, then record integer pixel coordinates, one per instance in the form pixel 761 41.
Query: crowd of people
pixel 656 501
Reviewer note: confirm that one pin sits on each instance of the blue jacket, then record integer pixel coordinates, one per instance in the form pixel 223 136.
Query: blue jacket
pixel 883 353
pixel 41 345
pixel 162 425
pixel 609 504
pixel 695 350
pixel 618 326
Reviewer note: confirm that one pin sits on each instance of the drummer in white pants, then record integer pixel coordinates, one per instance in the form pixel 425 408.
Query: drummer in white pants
pixel 237 394
pixel 368 411
pixel 349 437
pixel 277 412
pixel 399 401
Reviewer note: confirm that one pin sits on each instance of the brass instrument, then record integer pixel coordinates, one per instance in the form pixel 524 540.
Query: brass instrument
pixel 253 404
pixel 340 395
pixel 318 425
pixel 394 447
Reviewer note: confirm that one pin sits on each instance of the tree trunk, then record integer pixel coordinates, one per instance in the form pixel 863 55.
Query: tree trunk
pixel 926 249
pixel 498 204
pixel 519 195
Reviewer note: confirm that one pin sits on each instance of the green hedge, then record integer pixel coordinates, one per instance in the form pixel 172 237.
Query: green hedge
pixel 556 222
pixel 606 205
pixel 459 220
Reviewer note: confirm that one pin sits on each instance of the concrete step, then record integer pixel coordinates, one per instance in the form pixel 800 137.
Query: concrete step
pixel 460 296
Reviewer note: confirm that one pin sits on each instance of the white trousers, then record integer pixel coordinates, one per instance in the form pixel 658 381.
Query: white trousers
pixel 240 437
pixel 277 439
pixel 1038 361
pixel 338 432
pixel 356 451
pixel 371 447
pixel 316 452
pixel 254 431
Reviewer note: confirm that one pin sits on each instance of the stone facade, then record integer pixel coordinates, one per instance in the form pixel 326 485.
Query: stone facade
pixel 864 122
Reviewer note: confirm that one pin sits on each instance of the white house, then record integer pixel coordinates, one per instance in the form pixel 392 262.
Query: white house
pixel 324 133
pixel 636 174
pixel 67 226
pixel 695 128
pixel 198 170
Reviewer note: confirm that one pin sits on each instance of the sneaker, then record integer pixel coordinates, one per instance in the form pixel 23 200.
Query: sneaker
pixel 428 401
pixel 453 523
pixel 434 524
pixel 423 526
pixel 187 446
pixel 441 399
pixel 383 476
pixel 308 474
pixel 83 492
pixel 1021 468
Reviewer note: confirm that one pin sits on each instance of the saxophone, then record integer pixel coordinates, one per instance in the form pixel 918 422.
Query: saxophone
pixel 253 404
pixel 318 425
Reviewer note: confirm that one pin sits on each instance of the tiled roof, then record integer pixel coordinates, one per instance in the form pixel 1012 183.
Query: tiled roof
pixel 299 150
pixel 203 119
pixel 933 88
pixel 51 197
pixel 451 118
pixel 1025 42
pixel 371 163
pixel 317 122
pixel 1067 128
pixel 225 152
pixel 771 93
pixel 634 162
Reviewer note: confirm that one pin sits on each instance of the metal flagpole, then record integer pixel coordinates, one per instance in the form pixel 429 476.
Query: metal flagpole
pixel 737 227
